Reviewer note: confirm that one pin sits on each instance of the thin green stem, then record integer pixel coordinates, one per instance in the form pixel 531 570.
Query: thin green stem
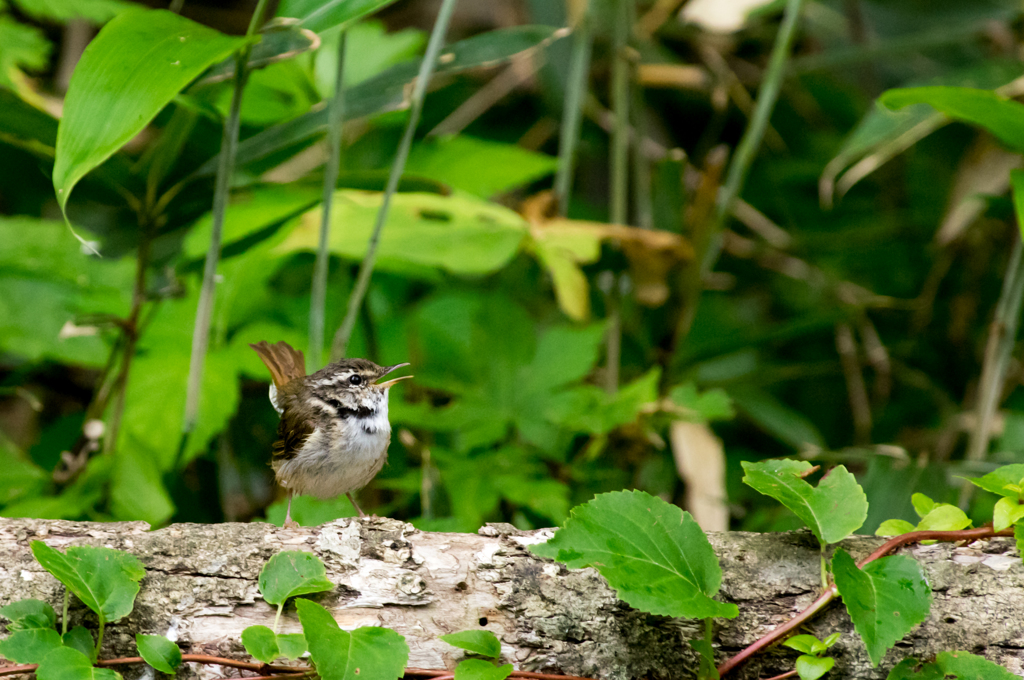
pixel 824 568
pixel 572 114
pixel 751 141
pixel 64 616
pixel 620 107
pixel 318 296
pixel 437 36
pixel 222 190
pixel 277 618
pixel 99 634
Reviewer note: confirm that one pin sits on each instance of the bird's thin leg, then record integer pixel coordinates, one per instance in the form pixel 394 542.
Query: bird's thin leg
pixel 356 505
pixel 288 523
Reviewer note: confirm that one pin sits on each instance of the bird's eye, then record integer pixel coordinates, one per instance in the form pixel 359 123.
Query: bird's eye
pixel 356 380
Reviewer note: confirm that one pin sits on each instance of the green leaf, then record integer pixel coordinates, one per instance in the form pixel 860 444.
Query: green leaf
pixel 30 613
pixel 967 666
pixel 261 643
pixel 706 406
pixel 292 573
pixel 479 166
pixel 96 11
pixel 802 643
pixel 894 527
pixel 324 15
pixel 159 652
pixel 653 554
pixel 813 667
pixel 458 233
pixel 944 517
pixel 80 638
pixel 1006 513
pixel 912 669
pixel 922 504
pixel 482 642
pixel 833 510
pixel 70 664
pixel 1000 480
pixel 110 99
pixel 363 654
pixel 478 669
pixel 885 599
pixel 105 580
pixel 291 645
pixel 21 46
pixel 30 646
pixel 1002 117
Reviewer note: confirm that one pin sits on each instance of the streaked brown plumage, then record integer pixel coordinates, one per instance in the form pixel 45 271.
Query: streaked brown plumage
pixel 334 431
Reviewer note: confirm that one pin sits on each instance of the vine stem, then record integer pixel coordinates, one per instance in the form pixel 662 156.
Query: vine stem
pixel 831 592
pixel 277 619
pixel 355 300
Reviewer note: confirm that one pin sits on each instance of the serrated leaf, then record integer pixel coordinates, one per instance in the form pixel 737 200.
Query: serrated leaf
pixel 478 669
pixel 292 573
pixel 105 580
pixel 967 666
pixel 482 642
pixel 894 527
pixel 291 645
pixel 30 646
pixel 1006 513
pixel 70 664
pixel 813 667
pixel 655 555
pixel 159 652
pixel 81 639
pixel 1000 479
pixel 885 599
pixel 1003 117
pixel 176 51
pixel 833 510
pixel 261 643
pixel 29 613
pixel 922 504
pixel 363 654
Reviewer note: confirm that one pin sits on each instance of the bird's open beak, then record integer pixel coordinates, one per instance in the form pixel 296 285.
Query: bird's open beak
pixel 389 369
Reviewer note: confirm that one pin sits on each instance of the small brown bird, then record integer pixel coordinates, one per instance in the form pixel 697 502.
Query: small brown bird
pixel 334 431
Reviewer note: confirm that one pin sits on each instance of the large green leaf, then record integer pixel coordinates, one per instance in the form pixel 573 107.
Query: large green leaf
pixel 105 580
pixel 1003 117
pixel 111 99
pixel 653 554
pixel 479 166
pixel 70 664
pixel 1005 481
pixel 833 510
pixel 363 654
pixel 323 15
pixel 292 573
pixel 482 642
pixel 459 233
pixel 30 646
pixel 28 614
pixel 885 599
pixel 950 666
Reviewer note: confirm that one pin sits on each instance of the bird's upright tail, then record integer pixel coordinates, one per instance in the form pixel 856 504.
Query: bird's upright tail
pixel 284 361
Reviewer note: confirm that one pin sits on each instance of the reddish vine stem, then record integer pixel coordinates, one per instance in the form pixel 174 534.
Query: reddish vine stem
pixel 892 544
pixel 787 674
pixel 438 674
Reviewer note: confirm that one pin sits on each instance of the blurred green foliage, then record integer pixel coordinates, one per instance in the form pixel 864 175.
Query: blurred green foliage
pixel 846 319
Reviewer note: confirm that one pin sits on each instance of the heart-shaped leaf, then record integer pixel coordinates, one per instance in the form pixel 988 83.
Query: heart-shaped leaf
pixel 292 573
pixel 105 580
pixel 833 510
pixel 159 652
pixel 813 667
pixel 1006 513
pixel 482 642
pixel 885 599
pixel 655 555
pixel 363 654
pixel 291 645
pixel 478 669
pixel 261 643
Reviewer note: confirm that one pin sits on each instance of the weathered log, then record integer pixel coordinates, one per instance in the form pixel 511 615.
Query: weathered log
pixel 201 589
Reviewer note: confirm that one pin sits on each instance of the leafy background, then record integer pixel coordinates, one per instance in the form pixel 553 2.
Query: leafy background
pixel 846 319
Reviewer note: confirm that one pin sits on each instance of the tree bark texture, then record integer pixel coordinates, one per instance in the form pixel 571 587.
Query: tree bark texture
pixel 201 590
